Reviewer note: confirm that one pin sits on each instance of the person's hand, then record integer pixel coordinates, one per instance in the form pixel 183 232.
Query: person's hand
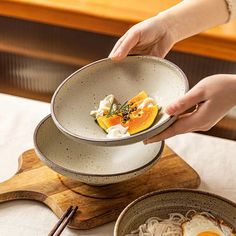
pixel 156 36
pixel 215 96
pixel 150 37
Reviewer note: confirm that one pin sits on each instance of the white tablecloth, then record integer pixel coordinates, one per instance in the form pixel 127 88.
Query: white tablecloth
pixel 213 158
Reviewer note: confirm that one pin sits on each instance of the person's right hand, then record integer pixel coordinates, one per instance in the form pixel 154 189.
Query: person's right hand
pixel 213 97
pixel 149 37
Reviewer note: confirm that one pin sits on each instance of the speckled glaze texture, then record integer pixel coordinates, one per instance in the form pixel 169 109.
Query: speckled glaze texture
pixel 82 91
pixel 94 165
pixel 161 203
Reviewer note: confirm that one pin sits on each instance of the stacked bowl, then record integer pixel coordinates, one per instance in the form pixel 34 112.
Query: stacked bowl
pixel 72 144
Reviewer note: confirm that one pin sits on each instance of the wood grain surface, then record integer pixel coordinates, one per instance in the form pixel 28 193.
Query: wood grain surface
pixel 115 17
pixel 97 205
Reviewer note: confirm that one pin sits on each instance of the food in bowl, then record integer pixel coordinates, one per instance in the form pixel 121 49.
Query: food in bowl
pixel 131 117
pixel 190 224
pixel 82 91
pixel 182 201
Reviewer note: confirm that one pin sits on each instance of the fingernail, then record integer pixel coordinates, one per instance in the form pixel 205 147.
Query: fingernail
pixel 170 110
pixel 114 57
pixel 117 53
pixel 112 54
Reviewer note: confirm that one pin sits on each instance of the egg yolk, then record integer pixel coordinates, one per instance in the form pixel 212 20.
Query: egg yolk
pixel 207 233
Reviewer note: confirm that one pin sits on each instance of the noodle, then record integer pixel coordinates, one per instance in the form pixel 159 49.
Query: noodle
pixel 156 226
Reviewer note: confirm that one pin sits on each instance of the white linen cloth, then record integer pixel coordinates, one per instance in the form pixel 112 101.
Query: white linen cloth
pixel 213 158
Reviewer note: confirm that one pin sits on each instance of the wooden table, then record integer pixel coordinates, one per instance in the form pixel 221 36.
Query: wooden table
pixel 114 17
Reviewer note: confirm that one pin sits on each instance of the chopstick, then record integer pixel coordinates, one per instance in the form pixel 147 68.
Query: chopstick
pixel 63 221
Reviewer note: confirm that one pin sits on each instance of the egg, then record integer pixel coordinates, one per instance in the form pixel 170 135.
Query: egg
pixel 201 225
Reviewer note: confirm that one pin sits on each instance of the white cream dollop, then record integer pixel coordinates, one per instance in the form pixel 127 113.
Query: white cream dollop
pixel 117 131
pixel 104 106
pixel 147 102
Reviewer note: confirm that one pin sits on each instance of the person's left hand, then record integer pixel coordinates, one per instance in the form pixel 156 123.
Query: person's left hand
pixel 153 37
pixel 214 96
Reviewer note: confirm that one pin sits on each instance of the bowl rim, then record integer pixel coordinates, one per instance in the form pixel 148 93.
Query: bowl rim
pixel 164 191
pixel 51 163
pixel 112 140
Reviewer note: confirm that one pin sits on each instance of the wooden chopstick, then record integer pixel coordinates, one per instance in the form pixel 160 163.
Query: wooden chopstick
pixel 57 225
pixel 64 224
pixel 63 221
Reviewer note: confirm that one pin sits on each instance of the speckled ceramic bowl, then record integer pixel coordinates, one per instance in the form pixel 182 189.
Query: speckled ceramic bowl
pixel 162 203
pixel 82 91
pixel 94 165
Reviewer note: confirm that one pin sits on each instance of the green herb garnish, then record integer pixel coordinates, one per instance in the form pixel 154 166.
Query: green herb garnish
pixel 111 111
pixel 121 110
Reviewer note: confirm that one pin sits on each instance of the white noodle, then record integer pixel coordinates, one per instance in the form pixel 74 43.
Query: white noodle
pixel 155 226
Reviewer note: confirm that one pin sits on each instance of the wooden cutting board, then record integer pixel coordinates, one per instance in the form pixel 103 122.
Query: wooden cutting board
pixel 97 205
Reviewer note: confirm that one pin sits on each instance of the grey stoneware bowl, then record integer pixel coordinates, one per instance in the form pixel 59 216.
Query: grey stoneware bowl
pixel 162 203
pixel 94 165
pixel 82 91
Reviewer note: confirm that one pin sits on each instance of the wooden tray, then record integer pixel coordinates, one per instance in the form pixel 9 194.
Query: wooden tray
pixel 97 205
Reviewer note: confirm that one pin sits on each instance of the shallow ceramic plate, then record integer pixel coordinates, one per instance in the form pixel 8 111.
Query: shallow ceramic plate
pixel 82 91
pixel 91 164
pixel 162 203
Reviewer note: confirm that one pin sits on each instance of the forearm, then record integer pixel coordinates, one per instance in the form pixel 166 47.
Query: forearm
pixel 191 17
